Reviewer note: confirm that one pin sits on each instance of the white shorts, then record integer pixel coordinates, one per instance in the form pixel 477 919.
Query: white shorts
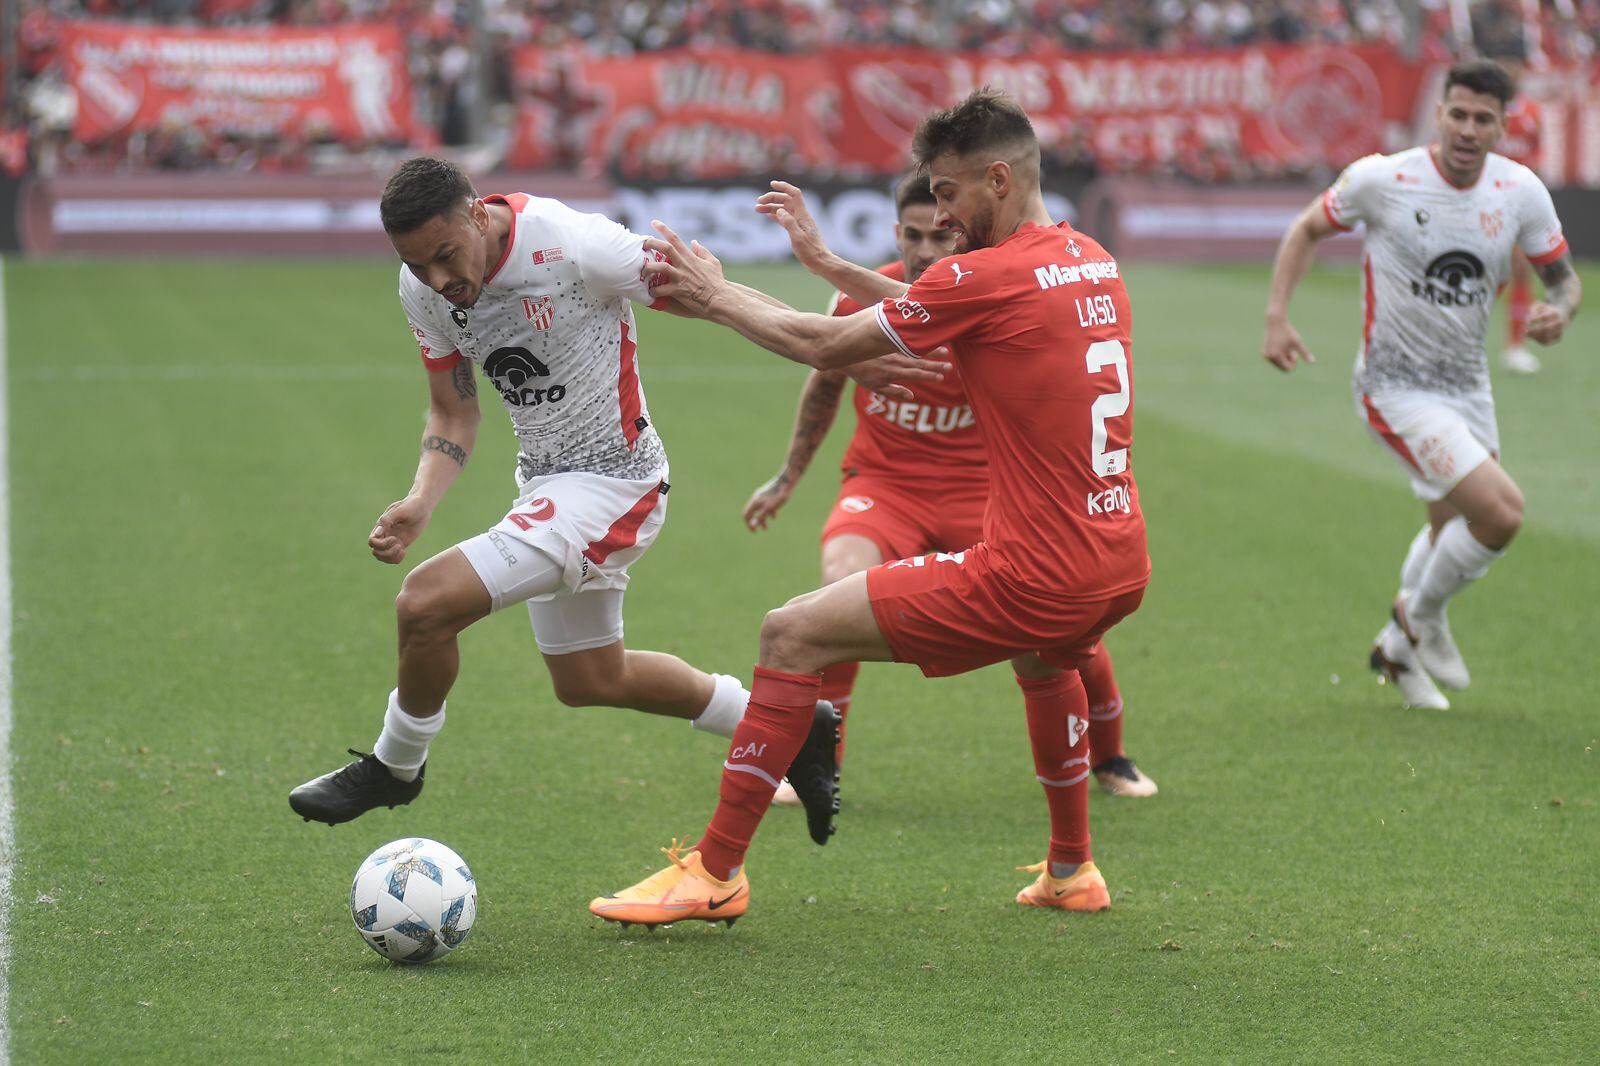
pixel 565 548
pixel 1438 440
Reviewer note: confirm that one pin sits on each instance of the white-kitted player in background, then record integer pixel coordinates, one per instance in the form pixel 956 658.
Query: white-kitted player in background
pixel 1441 224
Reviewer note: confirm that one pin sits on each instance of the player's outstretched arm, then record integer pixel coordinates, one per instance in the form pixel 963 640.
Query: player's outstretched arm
pixel 1282 346
pixel 786 205
pixel 447 440
pixel 1563 292
pixel 819 404
pixel 693 277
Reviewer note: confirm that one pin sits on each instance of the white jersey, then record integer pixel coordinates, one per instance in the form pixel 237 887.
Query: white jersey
pixel 553 330
pixel 1436 256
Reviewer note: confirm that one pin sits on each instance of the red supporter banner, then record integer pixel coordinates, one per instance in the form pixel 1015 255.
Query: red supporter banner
pixel 348 82
pixel 661 115
pixel 1274 106
pixel 718 113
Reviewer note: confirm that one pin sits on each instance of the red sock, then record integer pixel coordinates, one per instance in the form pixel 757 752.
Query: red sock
pixel 1517 306
pixel 1059 733
pixel 765 743
pixel 837 684
pixel 1105 707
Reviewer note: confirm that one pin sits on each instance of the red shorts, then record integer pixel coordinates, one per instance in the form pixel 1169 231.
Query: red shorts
pixel 950 613
pixel 905 520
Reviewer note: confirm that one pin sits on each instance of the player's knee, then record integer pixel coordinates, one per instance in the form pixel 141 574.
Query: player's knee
pixel 1503 520
pixel 422 609
pixel 783 642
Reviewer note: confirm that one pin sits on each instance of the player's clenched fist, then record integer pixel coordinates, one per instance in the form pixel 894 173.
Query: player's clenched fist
pixel 400 524
pixel 1283 346
pixel 1546 323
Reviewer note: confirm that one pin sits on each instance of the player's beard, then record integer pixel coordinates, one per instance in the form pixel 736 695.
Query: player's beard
pixel 980 232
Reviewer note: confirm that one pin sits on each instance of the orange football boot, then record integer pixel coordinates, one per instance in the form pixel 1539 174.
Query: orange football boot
pixel 681 892
pixel 1085 890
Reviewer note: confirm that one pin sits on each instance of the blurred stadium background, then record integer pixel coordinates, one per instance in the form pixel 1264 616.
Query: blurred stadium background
pixel 1186 128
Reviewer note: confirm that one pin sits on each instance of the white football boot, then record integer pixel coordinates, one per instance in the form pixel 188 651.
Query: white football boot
pixel 1439 654
pixel 1395 660
pixel 1519 360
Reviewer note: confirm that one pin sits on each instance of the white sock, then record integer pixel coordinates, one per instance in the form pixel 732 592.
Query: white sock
pixel 1416 558
pixel 1457 561
pixel 722 715
pixel 403 744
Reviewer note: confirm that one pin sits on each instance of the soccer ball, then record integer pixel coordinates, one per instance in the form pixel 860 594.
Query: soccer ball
pixel 414 900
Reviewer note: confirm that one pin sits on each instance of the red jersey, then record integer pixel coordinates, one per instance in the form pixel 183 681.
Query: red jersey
pixel 931 438
pixel 1041 328
pixel 1521 142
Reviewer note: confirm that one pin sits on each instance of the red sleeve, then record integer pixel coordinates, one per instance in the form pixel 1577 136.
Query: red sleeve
pixel 951 299
pixel 436 364
pixel 1551 256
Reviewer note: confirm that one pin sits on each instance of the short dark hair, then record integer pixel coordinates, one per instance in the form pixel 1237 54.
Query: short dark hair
pixel 912 189
pixel 421 189
pixel 1482 76
pixel 986 121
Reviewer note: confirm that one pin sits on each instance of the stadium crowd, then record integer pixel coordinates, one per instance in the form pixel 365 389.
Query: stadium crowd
pixel 37 115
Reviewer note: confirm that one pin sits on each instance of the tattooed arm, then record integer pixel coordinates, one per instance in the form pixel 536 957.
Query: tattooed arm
pixel 447 441
pixel 1548 320
pixel 819 403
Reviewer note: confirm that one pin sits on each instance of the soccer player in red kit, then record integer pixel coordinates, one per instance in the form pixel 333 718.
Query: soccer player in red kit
pixel 916 478
pixel 1036 317
pixel 1521 144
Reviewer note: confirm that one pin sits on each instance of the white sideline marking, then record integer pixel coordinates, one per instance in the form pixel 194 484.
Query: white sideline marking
pixel 7 836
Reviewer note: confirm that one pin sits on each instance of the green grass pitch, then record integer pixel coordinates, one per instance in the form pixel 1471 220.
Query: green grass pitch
pixel 199 449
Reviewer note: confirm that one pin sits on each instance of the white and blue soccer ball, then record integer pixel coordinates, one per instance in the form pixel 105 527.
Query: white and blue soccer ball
pixel 414 900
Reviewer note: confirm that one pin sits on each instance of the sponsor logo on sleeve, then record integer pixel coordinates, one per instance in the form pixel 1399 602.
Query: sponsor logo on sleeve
pixel 910 309
pixel 959 272
pixel 544 256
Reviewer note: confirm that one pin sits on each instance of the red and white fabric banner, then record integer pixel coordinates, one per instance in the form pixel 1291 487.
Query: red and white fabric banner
pixel 1271 106
pixel 670 115
pixel 707 114
pixel 348 82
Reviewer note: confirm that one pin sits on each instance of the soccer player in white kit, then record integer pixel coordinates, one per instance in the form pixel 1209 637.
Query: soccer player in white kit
pixel 539 297
pixel 1441 225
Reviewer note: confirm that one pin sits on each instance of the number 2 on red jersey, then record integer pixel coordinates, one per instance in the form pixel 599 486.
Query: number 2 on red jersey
pixel 1102 354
